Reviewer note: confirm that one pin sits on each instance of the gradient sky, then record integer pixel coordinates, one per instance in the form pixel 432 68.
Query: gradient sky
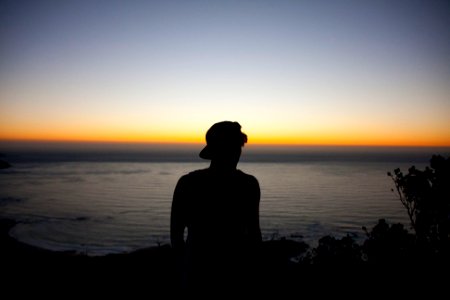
pixel 296 72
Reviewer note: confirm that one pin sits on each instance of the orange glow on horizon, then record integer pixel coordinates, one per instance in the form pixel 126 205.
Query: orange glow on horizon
pixel 254 139
pixel 323 140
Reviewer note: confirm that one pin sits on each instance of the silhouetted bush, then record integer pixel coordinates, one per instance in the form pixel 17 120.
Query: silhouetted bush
pixel 332 251
pixel 388 244
pixel 426 197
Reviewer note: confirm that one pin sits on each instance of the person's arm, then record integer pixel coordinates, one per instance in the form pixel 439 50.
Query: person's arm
pixel 177 216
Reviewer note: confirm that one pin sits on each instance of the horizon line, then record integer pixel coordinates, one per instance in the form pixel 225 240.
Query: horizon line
pixel 173 143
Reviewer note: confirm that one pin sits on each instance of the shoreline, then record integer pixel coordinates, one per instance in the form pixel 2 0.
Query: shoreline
pixel 16 248
pixel 154 267
pixel 47 268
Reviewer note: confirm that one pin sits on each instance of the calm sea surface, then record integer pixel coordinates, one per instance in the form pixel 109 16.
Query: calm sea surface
pixel 99 207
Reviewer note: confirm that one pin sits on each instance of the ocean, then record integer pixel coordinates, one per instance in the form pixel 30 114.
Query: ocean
pixel 109 199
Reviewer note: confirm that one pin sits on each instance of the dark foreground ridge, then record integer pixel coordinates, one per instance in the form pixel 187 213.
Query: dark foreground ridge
pixel 284 266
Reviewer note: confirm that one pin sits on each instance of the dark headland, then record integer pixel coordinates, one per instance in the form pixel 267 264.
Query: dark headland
pixel 285 267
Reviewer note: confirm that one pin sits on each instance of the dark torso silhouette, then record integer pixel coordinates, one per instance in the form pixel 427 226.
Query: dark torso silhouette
pixel 220 212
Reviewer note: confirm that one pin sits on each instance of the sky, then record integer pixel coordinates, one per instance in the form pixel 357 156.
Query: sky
pixel 290 72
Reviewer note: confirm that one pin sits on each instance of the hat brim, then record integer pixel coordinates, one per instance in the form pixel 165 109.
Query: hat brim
pixel 206 153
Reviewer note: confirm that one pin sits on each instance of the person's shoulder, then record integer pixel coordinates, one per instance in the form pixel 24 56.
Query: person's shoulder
pixel 247 177
pixel 191 179
pixel 201 172
pixel 195 174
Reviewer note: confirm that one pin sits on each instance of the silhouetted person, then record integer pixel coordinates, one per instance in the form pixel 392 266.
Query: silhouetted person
pixel 219 207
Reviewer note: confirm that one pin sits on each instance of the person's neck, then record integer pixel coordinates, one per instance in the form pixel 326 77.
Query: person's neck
pixel 223 167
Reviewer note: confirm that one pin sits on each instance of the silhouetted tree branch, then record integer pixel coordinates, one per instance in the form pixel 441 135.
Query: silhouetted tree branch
pixel 426 197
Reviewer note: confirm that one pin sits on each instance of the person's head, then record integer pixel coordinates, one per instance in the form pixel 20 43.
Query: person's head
pixel 223 142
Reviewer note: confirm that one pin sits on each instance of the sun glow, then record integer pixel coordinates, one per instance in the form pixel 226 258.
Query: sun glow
pixel 256 136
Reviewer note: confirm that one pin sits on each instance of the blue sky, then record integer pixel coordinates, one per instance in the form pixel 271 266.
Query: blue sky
pixel 312 72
